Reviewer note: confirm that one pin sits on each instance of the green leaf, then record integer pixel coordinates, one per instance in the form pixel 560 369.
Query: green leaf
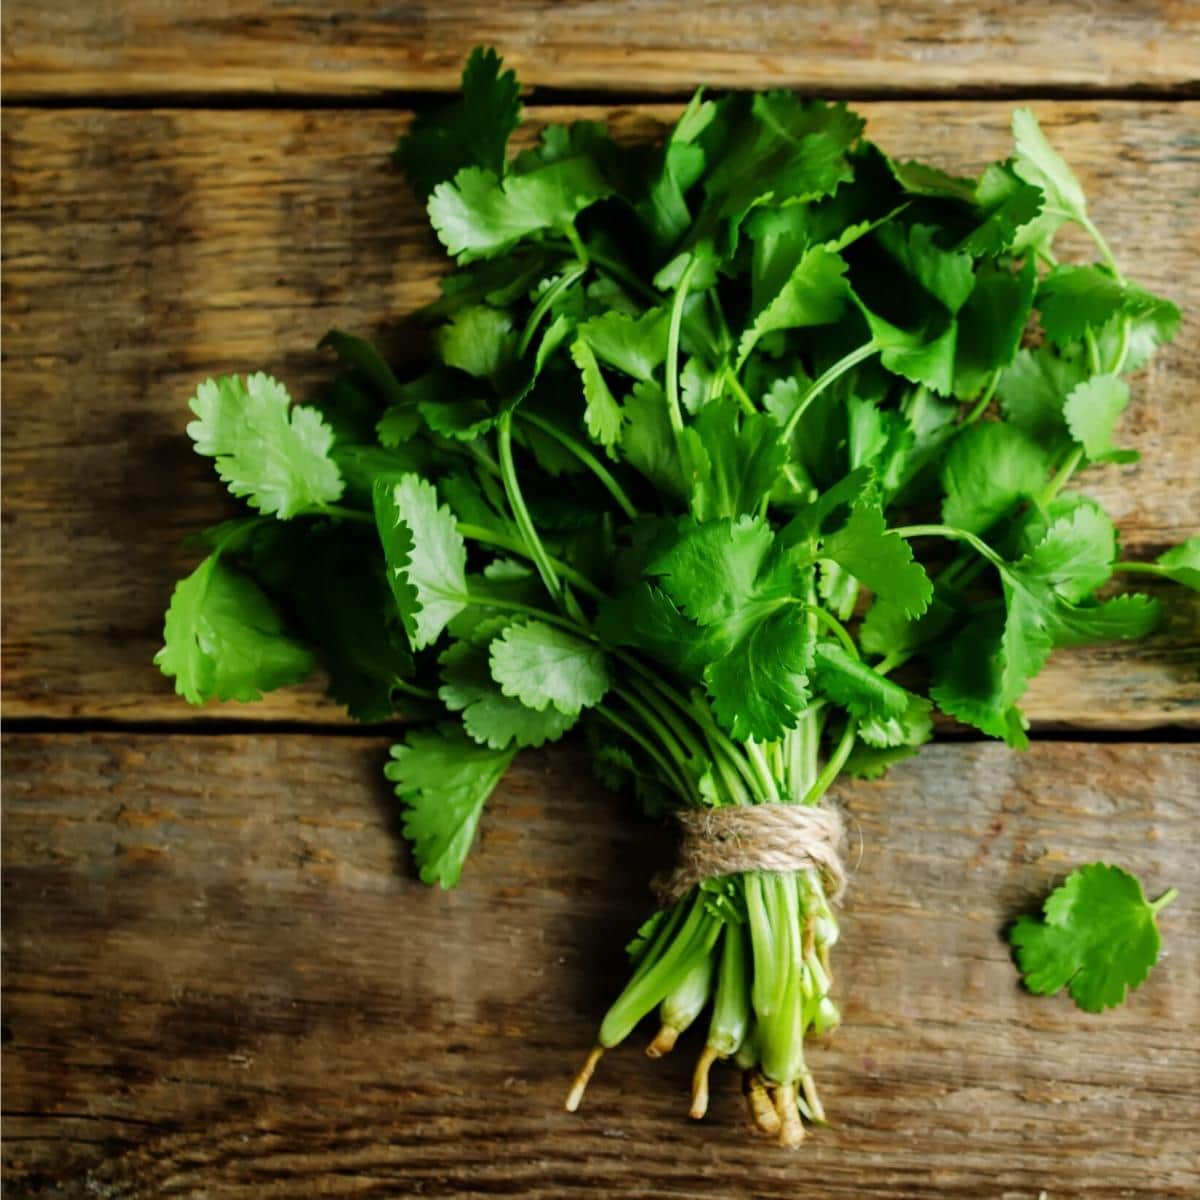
pixel 1038 163
pixel 855 686
pixel 744 457
pixel 602 414
pixel 1008 203
pixel 946 275
pixel 365 364
pixel 472 131
pixel 444 780
pixel 479 215
pixel 989 469
pixel 489 716
pixel 647 442
pixel 1075 555
pixel 635 345
pixel 273 454
pixel 425 554
pixel 540 665
pixel 1033 391
pixel 1182 563
pixel 665 210
pixel 815 293
pixel 881 559
pixel 1099 938
pixel 990 325
pixel 479 340
pixel 224 640
pixel 873 762
pixel 1091 412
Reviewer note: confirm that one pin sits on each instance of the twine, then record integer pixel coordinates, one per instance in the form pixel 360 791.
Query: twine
pixel 755 837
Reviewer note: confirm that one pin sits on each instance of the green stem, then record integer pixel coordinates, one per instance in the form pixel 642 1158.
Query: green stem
pixel 984 400
pixel 528 610
pixel 673 411
pixel 949 531
pixel 476 533
pixel 735 385
pixel 837 760
pixel 546 299
pixel 668 768
pixel 1060 477
pixel 759 762
pixel 827 377
pixel 627 277
pixel 1122 346
pixel 585 456
pixel 572 236
pixel 520 513
pixel 1166 898
pixel 835 627
pixel 1101 245
pixel 1143 568
pixel 411 689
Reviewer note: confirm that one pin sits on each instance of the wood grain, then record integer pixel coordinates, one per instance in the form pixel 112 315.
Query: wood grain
pixel 221 980
pixel 356 48
pixel 144 251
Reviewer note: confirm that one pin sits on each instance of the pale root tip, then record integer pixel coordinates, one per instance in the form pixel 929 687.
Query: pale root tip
pixel 791 1128
pixel 664 1042
pixel 575 1095
pixel 700 1083
pixel 762 1111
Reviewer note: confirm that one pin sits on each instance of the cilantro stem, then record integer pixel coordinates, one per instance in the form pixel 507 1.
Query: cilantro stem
pixel 758 761
pixel 743 397
pixel 572 236
pixel 834 626
pixel 547 298
pixel 681 293
pixel 411 689
pixel 984 400
pixel 1166 898
pixel 1086 223
pixel 626 276
pixel 1122 346
pixel 1060 477
pixel 667 767
pixel 476 533
pixel 526 610
pixel 1142 568
pixel 585 456
pixel 837 760
pixel 665 737
pixel 827 377
pixel 954 534
pixel 516 502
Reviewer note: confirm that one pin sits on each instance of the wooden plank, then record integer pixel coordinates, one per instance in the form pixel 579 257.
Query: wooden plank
pixel 222 980
pixel 302 47
pixel 145 250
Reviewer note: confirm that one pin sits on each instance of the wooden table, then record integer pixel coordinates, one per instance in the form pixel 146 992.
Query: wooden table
pixel 220 976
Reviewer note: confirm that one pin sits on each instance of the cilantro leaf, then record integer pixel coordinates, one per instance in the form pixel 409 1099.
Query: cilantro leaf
pixel 1033 391
pixel 1075 555
pixel 744 455
pixel 989 468
pixel 489 716
pixel 473 131
pixel 273 454
pixel 1098 938
pixel 478 215
pixel 855 686
pixel 542 666
pixel 1091 412
pixel 223 639
pixel 444 779
pixel 602 413
pixel 881 559
pixel 1182 563
pixel 1038 163
pixel 634 345
pixel 426 557
pixel 478 339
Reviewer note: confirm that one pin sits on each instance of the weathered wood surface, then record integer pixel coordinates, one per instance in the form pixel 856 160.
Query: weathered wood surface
pixel 144 251
pixel 164 47
pixel 222 980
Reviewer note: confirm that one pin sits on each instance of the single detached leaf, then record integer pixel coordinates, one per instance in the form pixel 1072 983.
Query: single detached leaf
pixel 472 131
pixel 1099 938
pixel 426 557
pixel 444 780
pixel 224 640
pixel 540 665
pixel 1091 412
pixel 273 454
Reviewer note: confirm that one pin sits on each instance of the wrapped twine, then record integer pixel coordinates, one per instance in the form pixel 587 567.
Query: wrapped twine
pixel 755 837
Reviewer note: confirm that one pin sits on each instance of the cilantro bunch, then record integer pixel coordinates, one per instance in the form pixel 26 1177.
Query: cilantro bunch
pixel 715 437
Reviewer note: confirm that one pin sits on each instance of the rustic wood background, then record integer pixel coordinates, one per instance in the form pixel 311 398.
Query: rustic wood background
pixel 220 977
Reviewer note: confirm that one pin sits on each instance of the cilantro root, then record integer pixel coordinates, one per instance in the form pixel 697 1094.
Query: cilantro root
pixel 701 426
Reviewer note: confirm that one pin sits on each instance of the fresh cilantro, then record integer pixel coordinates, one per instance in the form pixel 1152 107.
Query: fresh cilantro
pixel 542 666
pixel 1098 938
pixel 273 455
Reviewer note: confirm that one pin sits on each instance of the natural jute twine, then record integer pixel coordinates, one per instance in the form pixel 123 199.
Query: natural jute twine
pixel 755 837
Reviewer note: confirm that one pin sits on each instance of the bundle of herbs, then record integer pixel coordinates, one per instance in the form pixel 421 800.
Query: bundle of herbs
pixel 717 434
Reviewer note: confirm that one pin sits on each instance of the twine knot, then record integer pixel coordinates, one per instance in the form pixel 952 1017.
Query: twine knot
pixel 755 837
